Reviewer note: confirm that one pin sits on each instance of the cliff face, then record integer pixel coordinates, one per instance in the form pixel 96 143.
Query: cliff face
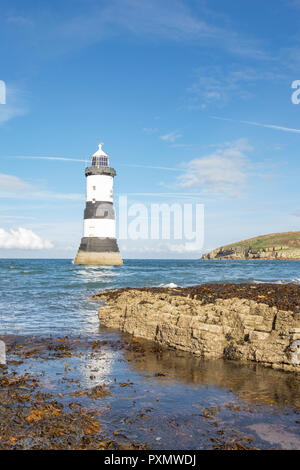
pixel 231 325
pixel 240 253
pixel 284 246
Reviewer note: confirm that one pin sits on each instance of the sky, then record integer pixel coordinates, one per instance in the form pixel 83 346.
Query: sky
pixel 193 100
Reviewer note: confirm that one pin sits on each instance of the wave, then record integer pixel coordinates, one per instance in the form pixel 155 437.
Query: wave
pixel 171 285
pixel 279 281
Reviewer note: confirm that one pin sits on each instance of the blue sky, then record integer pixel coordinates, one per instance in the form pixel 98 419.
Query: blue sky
pixel 192 100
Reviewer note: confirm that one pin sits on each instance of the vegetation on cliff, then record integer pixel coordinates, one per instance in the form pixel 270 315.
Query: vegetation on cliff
pixel 273 246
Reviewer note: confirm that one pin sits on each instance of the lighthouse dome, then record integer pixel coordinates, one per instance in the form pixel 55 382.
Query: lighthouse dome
pixel 100 158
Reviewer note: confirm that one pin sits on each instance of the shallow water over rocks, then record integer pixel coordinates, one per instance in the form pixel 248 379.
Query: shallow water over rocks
pixel 159 398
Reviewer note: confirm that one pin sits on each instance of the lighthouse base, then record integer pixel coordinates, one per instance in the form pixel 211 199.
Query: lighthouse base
pixel 101 251
pixel 106 259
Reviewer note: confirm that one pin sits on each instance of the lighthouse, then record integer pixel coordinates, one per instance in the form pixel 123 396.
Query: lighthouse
pixel 98 244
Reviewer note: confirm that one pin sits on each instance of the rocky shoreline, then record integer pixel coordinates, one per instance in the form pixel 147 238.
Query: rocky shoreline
pixel 259 323
pixel 274 246
pixel 273 253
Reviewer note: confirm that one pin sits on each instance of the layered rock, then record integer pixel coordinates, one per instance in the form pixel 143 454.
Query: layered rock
pixel 241 322
pixel 240 253
pixel 280 246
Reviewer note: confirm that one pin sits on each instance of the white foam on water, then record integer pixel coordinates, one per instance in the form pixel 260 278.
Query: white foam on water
pixel 171 285
pixel 280 281
pixel 2 353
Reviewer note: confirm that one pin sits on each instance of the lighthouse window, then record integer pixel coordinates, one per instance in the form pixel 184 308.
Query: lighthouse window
pixel 99 161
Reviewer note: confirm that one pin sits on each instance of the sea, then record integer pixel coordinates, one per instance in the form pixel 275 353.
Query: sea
pixel 172 400
pixel 41 296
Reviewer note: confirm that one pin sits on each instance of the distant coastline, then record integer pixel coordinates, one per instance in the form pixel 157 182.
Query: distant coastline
pixel 274 246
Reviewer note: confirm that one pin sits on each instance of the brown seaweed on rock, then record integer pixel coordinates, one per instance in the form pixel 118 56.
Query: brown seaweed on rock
pixel 282 296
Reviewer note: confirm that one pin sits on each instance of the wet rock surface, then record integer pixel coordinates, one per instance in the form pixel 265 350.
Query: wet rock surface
pixel 245 322
pixel 33 417
pixel 124 393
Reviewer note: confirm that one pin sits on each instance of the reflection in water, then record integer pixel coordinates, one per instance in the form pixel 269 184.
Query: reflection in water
pixel 50 298
pixel 252 383
pixel 163 398
pixel 276 435
pixel 98 366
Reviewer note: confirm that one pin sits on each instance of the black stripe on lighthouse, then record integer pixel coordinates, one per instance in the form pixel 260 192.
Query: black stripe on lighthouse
pixel 99 210
pixel 99 245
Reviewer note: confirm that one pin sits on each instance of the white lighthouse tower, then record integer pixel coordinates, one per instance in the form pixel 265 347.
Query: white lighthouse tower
pixel 98 244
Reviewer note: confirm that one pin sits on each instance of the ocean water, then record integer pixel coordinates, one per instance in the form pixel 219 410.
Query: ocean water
pixel 167 392
pixel 48 297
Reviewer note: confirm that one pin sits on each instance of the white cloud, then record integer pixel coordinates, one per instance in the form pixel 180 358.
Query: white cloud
pixel 221 172
pixel 23 239
pixel 11 187
pixel 171 137
pixel 12 183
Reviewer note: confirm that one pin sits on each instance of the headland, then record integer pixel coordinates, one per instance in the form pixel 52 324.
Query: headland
pixel 275 246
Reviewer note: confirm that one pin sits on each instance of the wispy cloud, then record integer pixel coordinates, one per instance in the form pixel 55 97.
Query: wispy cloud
pixel 294 3
pixel 153 167
pixel 168 195
pixel 13 183
pixel 171 136
pixel 219 85
pixel 15 217
pixel 269 126
pixel 12 187
pixel 223 172
pixel 50 195
pixel 150 130
pixel 15 104
pixel 63 159
pixel 171 20
pixel 42 195
pixel 23 238
pixel 19 20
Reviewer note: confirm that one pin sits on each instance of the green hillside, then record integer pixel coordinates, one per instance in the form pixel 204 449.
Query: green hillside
pixel 285 239
pixel 273 246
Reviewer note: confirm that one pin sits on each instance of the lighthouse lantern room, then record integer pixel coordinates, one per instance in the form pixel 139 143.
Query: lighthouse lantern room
pixel 98 244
